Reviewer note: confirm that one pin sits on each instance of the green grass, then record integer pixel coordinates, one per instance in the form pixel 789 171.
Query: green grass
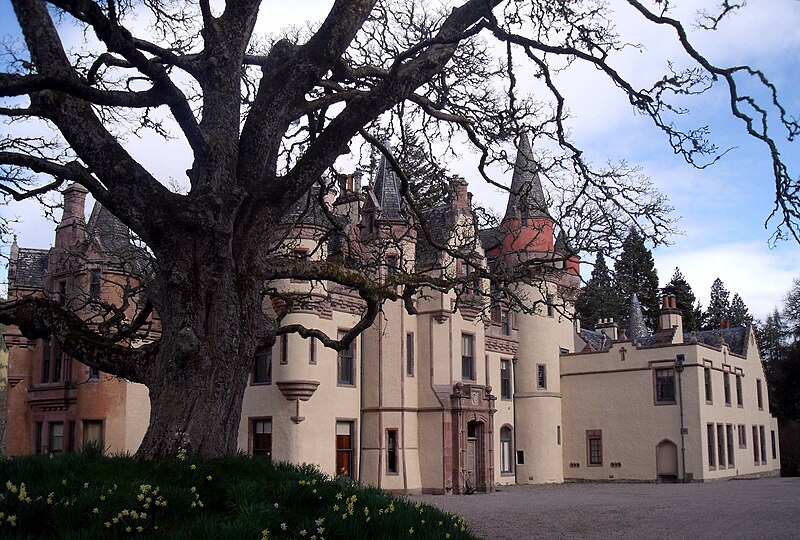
pixel 87 496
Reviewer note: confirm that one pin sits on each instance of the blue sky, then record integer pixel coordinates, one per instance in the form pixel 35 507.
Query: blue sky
pixel 722 209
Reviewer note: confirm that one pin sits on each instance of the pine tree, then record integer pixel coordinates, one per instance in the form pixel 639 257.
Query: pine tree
pixel 791 307
pixel 635 272
pixel 739 315
pixel 598 298
pixel 685 300
pixel 719 307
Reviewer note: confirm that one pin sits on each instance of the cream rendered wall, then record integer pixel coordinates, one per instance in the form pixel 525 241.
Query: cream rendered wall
pixel 503 417
pixel 603 391
pixel 314 439
pixel 749 415
pixel 539 410
pixel 137 414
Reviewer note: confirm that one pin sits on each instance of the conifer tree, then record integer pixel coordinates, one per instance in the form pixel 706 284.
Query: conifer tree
pixel 739 315
pixel 635 272
pixel 772 337
pixel 598 297
pixel 719 306
pixel 685 300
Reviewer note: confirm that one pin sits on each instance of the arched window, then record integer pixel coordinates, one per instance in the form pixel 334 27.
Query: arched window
pixel 505 450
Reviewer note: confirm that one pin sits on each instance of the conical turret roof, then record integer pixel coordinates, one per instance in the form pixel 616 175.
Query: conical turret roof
pixel 387 192
pixel 637 330
pixel 526 193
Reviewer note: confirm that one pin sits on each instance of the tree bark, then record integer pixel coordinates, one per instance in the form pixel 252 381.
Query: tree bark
pixel 212 324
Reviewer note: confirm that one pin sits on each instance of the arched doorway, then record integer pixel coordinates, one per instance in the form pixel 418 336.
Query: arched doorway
pixel 667 461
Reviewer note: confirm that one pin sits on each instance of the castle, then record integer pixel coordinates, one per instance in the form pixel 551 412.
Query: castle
pixel 445 400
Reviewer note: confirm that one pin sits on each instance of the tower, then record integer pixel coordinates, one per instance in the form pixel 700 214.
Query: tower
pixel 527 231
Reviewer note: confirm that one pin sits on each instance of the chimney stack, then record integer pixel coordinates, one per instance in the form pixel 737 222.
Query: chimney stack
pixel 671 317
pixel 462 198
pixel 608 328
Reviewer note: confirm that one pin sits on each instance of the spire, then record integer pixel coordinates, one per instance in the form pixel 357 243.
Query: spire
pixel 387 191
pixel 562 246
pixel 636 327
pixel 526 193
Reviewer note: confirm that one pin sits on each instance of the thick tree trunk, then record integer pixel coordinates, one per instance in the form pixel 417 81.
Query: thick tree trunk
pixel 212 325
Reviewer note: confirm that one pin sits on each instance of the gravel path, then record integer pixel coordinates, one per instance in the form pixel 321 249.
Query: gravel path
pixel 767 508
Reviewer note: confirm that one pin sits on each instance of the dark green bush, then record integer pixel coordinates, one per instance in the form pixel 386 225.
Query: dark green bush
pixel 87 496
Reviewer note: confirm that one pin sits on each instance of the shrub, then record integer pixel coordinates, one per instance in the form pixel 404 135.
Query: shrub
pixel 87 496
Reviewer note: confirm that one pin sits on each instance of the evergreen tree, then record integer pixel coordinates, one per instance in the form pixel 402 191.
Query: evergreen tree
pixel 772 337
pixel 685 300
pixel 791 307
pixel 739 315
pixel 598 298
pixel 635 272
pixel 719 307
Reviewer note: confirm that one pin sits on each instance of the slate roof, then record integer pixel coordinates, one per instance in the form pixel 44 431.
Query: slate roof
pixel 387 192
pixel 736 338
pixel 115 238
pixel 596 341
pixel 491 238
pixel 439 224
pixel 637 330
pixel 31 266
pixel 526 193
pixel 308 211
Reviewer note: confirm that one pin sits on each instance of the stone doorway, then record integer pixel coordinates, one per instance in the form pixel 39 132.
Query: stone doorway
pixel 667 461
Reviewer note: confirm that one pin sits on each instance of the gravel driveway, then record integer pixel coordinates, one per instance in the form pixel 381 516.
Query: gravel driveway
pixel 767 508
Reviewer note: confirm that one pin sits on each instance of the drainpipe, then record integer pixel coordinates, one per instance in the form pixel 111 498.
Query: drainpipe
pixel 514 405
pixel 361 410
pixel 679 359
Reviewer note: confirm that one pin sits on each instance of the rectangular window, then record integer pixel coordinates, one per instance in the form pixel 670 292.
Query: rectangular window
pixel 37 443
pixel 665 385
pixel 344 367
pixel 62 293
pixel 57 361
pixel 551 311
pixel 391 451
pixel 45 360
pixel 261 438
pixel 505 379
pixel 410 354
pixel 756 455
pixel 774 444
pixel 284 349
pixel 93 373
pixel 55 439
pixel 467 357
pixel 505 450
pixel 712 456
pixel 707 378
pixel 739 395
pixel 505 323
pixel 391 265
pixel 759 396
pixel 729 440
pixel 94 283
pixel 726 380
pixel 541 376
pixel 262 371
pixel 93 433
pixel 742 436
pixel 344 449
pixel 558 435
pixel 594 447
pixel 721 445
pixel 312 350
pixel 71 436
pixel 763 439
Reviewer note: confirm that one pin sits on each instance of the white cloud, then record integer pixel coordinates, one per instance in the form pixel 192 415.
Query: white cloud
pixel 760 275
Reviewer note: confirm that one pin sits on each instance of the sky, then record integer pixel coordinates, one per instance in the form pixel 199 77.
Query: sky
pixel 721 210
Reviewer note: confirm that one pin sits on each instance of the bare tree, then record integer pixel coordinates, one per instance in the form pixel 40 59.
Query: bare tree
pixel 266 119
